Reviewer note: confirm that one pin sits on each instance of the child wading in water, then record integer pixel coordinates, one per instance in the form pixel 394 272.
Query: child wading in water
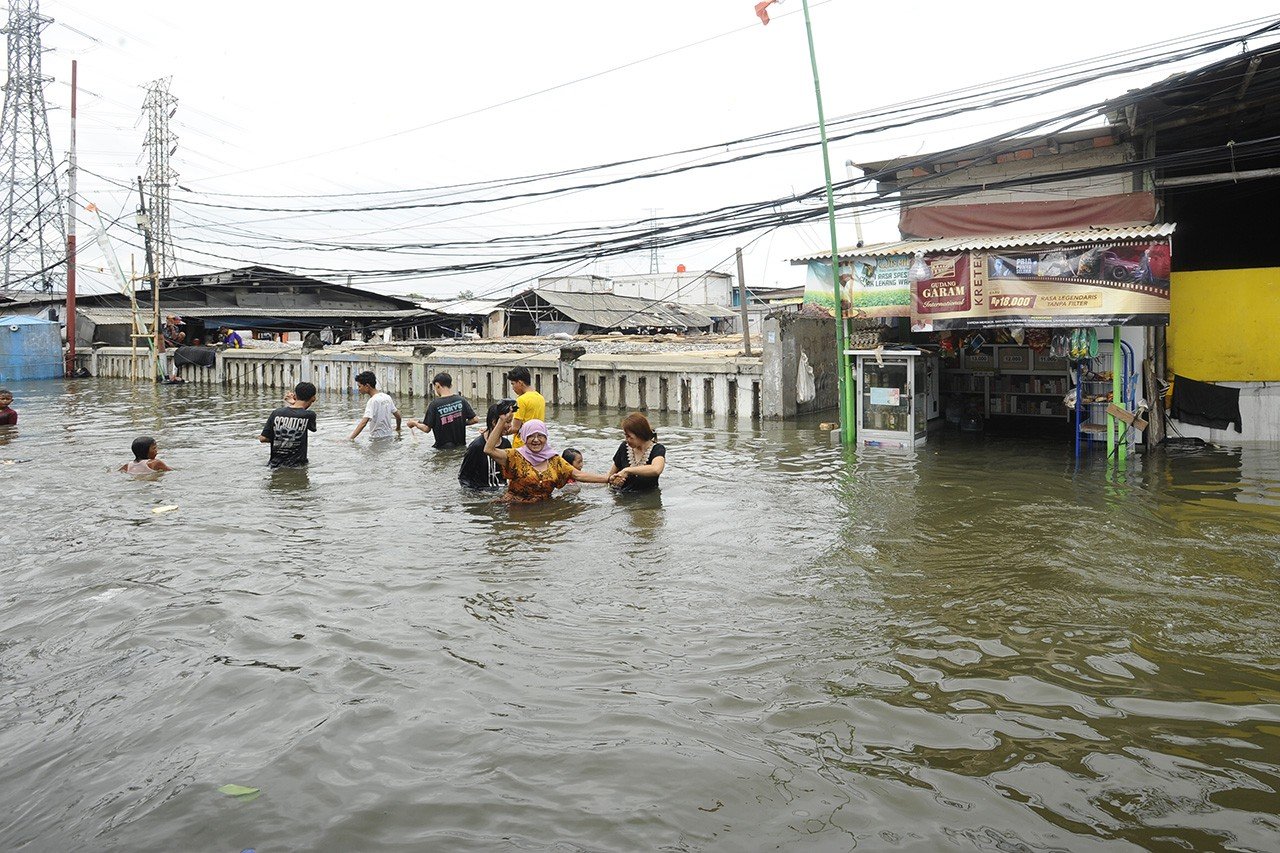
pixel 8 416
pixel 574 457
pixel 144 457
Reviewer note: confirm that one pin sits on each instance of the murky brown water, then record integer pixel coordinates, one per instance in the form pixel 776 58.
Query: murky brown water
pixel 978 647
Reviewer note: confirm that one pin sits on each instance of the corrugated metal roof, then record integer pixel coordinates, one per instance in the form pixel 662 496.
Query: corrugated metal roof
pixel 607 311
pixel 714 312
pixel 466 307
pixel 18 320
pixel 109 316
pixel 999 241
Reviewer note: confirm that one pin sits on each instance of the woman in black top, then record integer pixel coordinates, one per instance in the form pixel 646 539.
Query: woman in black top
pixel 640 459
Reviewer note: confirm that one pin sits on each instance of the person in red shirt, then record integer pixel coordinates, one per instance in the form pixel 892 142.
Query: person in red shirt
pixel 8 417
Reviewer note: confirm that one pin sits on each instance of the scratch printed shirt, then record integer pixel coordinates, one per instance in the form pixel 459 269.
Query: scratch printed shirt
pixel 447 419
pixel 287 430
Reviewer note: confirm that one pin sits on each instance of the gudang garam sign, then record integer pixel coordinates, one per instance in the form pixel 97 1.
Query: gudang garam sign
pixel 1114 284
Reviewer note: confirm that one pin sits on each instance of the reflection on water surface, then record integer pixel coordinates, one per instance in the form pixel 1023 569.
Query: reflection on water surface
pixel 979 646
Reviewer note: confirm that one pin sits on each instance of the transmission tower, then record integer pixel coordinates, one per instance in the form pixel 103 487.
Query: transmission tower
pixel 35 230
pixel 160 143
pixel 653 246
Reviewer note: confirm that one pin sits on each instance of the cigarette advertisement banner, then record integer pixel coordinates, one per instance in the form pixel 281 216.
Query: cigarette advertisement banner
pixel 878 287
pixel 819 291
pixel 1054 287
pixel 869 287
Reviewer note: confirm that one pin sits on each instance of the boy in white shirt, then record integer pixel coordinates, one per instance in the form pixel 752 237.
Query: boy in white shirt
pixel 379 411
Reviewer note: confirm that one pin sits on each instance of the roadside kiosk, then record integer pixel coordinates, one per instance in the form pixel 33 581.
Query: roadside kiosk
pixel 896 396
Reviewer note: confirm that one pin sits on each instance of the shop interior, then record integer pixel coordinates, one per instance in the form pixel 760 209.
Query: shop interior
pixel 1013 381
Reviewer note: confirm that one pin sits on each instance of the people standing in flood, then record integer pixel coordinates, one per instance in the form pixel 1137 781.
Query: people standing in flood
pixel 287 427
pixel 533 470
pixel 530 405
pixel 479 470
pixel 378 412
pixel 640 459
pixel 8 414
pixel 448 415
pixel 144 461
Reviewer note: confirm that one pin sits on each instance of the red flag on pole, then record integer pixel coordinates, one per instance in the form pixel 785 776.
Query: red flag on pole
pixel 762 10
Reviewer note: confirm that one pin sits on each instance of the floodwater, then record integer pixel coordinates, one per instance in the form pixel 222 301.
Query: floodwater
pixel 976 647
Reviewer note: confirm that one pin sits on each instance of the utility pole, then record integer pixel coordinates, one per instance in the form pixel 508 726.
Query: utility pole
pixel 144 225
pixel 845 373
pixel 71 234
pixel 742 305
pixel 34 238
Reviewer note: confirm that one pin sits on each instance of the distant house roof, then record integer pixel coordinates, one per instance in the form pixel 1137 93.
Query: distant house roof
pixel 466 307
pixel 108 315
pixel 262 298
pixel 713 312
pixel 607 311
pixel 769 294
pixel 16 320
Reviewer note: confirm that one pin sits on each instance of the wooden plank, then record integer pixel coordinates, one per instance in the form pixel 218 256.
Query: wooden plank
pixel 1126 416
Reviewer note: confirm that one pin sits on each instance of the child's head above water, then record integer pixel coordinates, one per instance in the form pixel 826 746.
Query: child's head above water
pixel 6 398
pixel 144 447
pixel 573 457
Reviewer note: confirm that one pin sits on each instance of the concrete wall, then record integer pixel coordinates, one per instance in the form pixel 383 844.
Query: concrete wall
pixel 1014 167
pixel 1222 325
pixel 688 288
pixel 800 373
pixel 718 383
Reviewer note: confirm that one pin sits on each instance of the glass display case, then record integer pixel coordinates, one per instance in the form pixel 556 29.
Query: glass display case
pixel 892 397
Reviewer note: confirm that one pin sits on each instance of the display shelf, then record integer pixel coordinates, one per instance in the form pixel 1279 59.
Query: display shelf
pixel 1092 421
pixel 1006 384
pixel 1027 394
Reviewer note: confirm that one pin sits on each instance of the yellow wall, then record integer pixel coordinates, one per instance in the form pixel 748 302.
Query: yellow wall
pixel 1224 325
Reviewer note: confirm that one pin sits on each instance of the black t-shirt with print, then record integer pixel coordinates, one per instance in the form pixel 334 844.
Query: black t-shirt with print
pixel 287 429
pixel 447 418
pixel 634 482
pixel 479 470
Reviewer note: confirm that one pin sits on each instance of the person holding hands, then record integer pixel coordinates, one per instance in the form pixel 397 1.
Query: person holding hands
pixel 533 470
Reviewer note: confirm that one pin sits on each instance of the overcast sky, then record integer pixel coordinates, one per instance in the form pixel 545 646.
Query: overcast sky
pixel 287 98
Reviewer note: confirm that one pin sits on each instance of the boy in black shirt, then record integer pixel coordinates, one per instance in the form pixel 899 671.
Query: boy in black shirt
pixel 287 427
pixel 448 415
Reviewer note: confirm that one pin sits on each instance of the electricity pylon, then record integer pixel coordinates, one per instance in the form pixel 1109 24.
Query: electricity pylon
pixel 160 143
pixel 34 207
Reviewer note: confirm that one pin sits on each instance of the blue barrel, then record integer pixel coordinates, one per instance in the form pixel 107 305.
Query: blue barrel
pixel 30 348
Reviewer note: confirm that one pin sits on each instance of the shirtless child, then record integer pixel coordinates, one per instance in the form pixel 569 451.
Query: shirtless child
pixel 8 416
pixel 144 457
